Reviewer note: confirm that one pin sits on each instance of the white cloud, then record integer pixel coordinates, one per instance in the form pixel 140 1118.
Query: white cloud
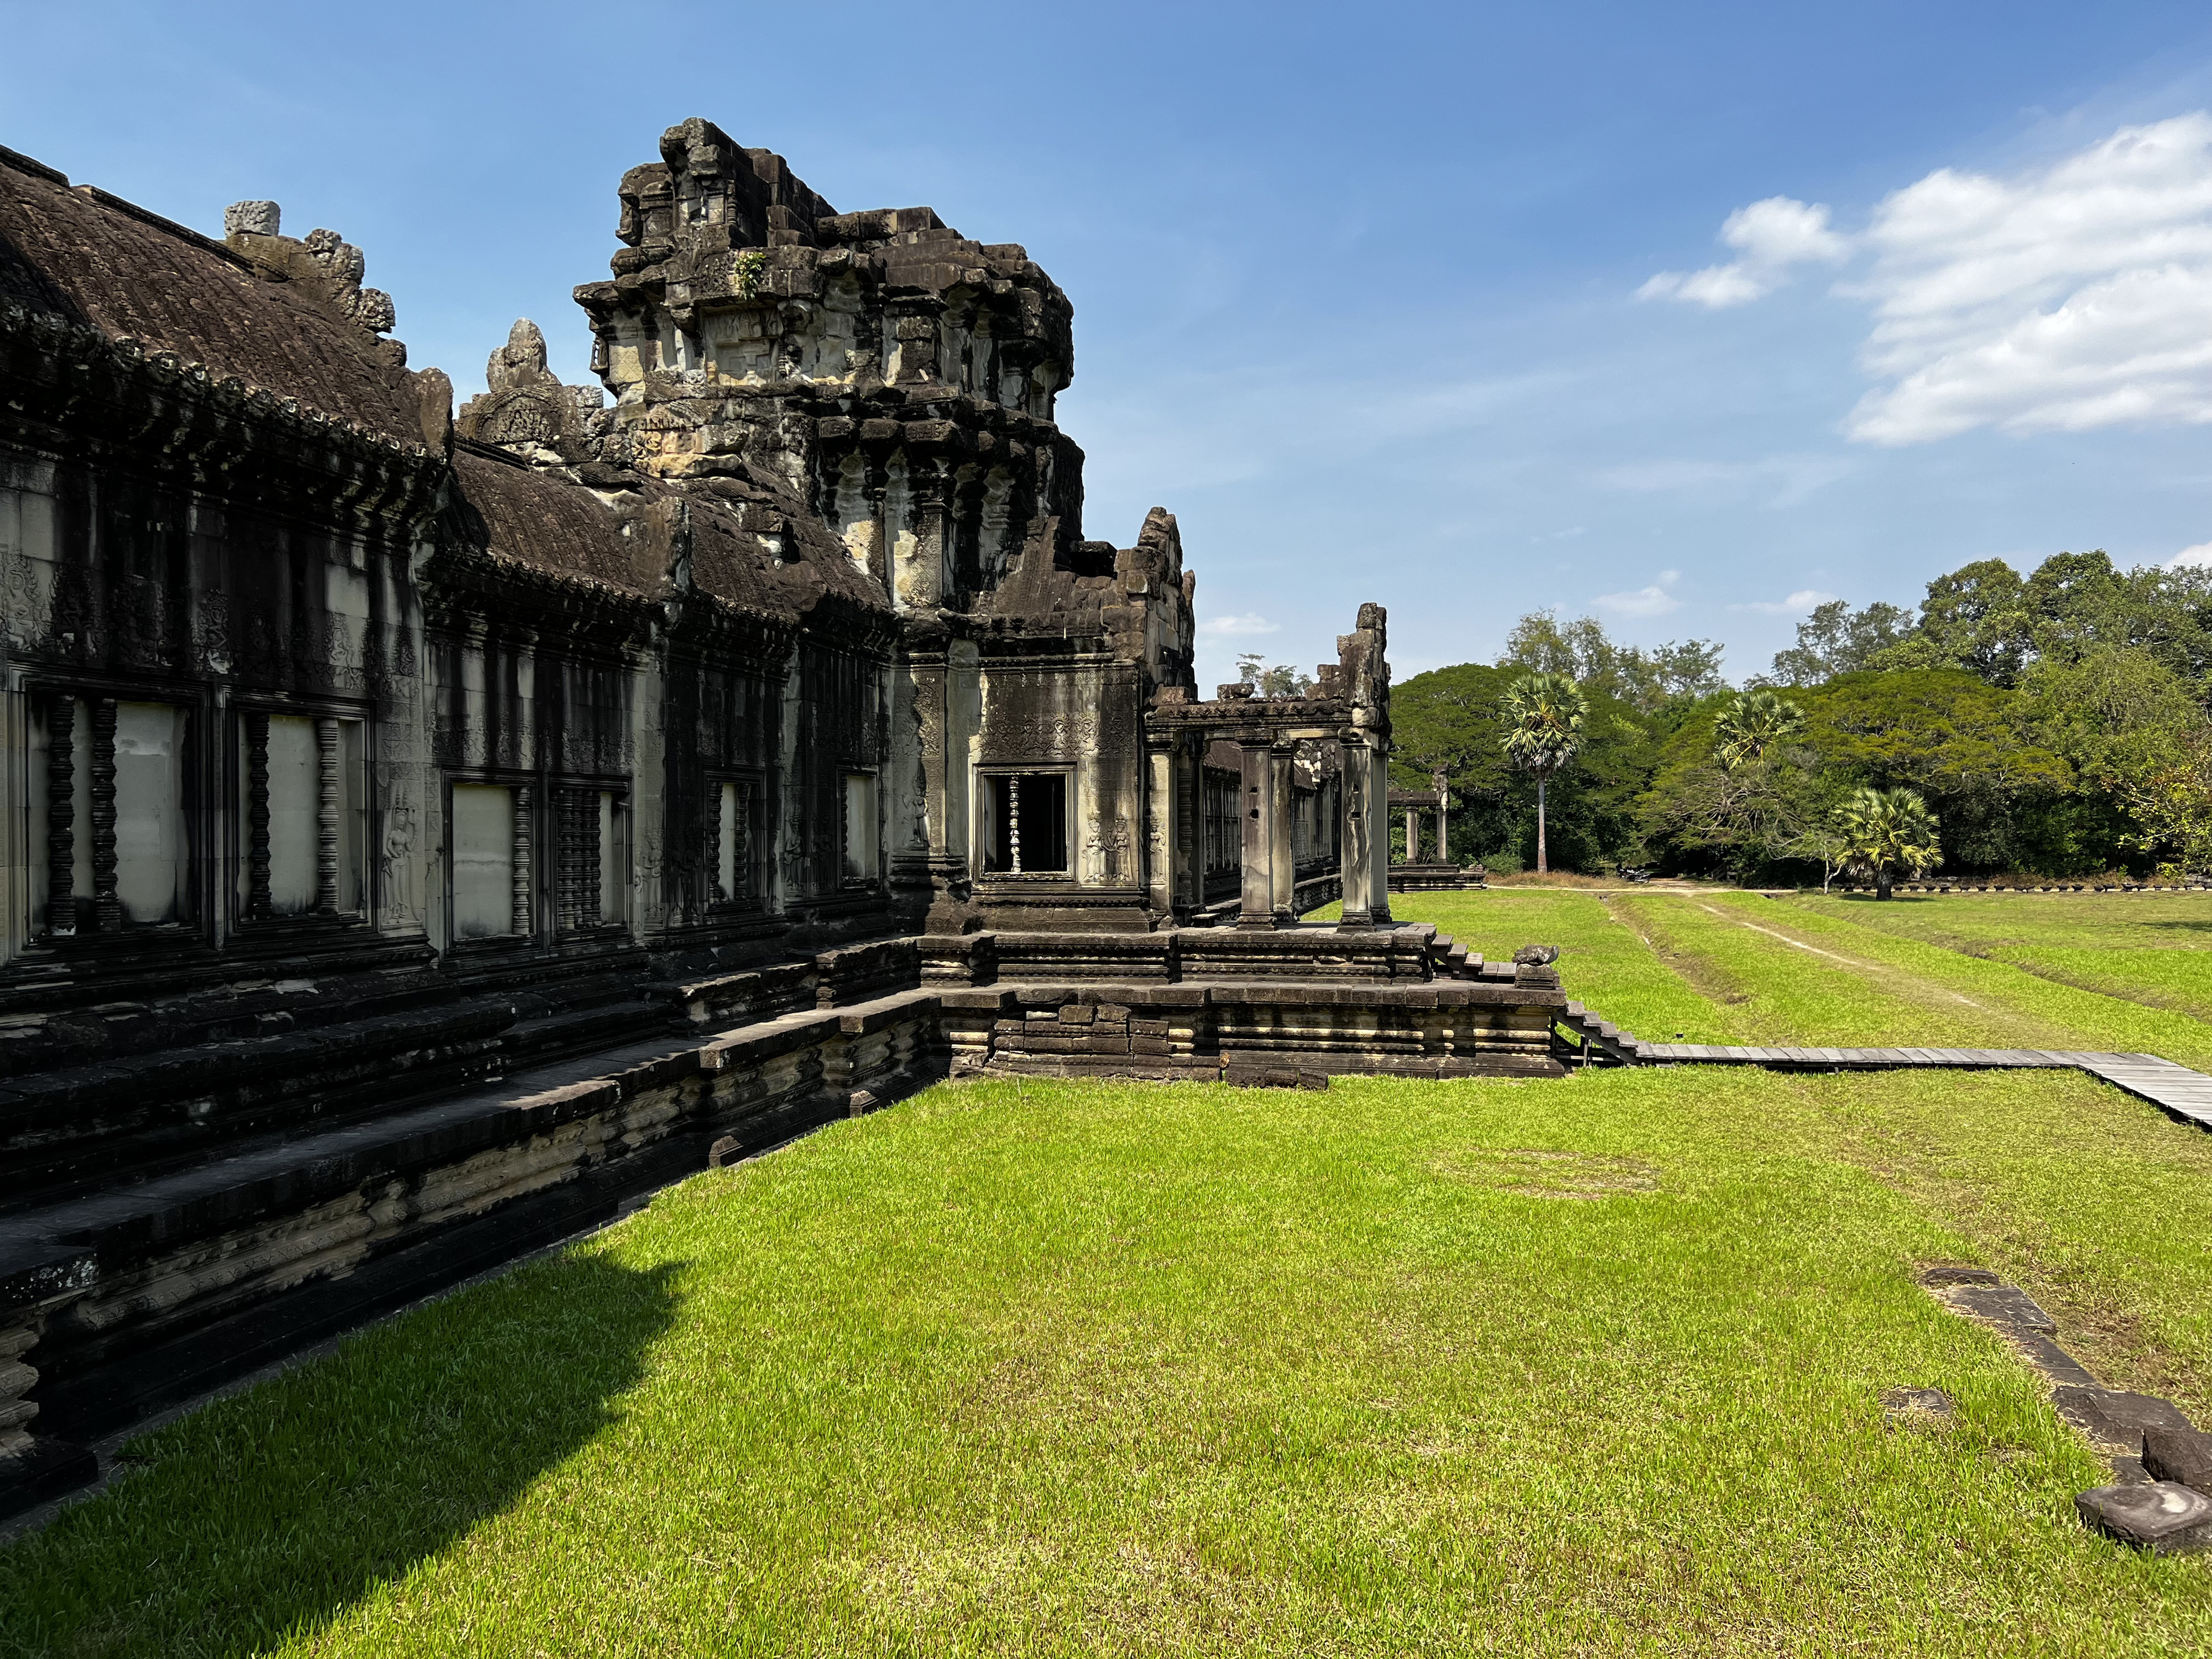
pixel 1772 236
pixel 1653 601
pixel 2078 296
pixel 1800 603
pixel 1218 628
pixel 2199 554
pixel 2071 296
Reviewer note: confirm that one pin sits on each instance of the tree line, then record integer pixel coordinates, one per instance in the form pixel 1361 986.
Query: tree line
pixel 2057 724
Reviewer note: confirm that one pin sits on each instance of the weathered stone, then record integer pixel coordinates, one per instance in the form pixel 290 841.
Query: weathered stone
pixel 2117 1418
pixel 1913 1406
pixel 2006 1306
pixel 1938 1274
pixel 2183 1456
pixel 2158 1516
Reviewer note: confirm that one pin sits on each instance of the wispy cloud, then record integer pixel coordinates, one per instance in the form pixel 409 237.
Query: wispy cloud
pixel 2199 554
pixel 1783 480
pixel 1224 628
pixel 1652 601
pixel 1799 604
pixel 1772 236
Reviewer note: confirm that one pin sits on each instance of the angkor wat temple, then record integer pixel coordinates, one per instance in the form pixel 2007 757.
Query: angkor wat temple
pixel 429 830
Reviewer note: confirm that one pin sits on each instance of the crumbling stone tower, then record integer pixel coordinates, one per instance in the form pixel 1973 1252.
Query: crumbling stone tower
pixel 899 380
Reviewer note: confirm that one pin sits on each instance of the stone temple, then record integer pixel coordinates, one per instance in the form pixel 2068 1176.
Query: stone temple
pixel 429 830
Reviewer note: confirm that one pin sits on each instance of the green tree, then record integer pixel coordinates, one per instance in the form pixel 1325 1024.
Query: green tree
pixel 2171 801
pixel 1546 711
pixel 1948 735
pixel 1835 640
pixel 1271 679
pixel 1975 620
pixel 1649 679
pixel 1755 722
pixel 1886 833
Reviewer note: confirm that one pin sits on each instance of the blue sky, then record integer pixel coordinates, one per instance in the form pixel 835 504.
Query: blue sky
pixel 1425 305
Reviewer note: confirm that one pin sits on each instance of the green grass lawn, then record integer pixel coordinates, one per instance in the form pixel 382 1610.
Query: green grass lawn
pixel 2152 948
pixel 1590 1366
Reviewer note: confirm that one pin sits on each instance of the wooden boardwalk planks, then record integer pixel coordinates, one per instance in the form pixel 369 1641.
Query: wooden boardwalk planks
pixel 2166 1084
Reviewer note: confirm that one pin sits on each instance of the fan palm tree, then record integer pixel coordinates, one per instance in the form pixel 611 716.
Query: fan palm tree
pixel 1885 831
pixel 1756 720
pixel 1547 712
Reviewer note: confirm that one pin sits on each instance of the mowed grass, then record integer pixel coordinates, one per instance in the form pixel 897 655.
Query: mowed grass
pixel 1079 1369
pixel 1591 1366
pixel 2155 948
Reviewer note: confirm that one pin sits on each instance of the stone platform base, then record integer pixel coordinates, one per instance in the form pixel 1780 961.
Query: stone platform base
pixel 121 1301
pixel 1256 1033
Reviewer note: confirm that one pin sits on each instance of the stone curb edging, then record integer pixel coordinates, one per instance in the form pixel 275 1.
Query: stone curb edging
pixel 2160 1498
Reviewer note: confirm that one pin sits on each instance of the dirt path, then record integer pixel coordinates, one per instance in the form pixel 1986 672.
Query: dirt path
pixel 1888 973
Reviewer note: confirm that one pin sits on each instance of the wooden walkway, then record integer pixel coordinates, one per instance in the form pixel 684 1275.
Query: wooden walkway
pixel 2173 1088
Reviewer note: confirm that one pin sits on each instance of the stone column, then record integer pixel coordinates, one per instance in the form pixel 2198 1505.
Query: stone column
pixel 1359 818
pixel 1190 823
pixel 1163 826
pixel 1413 834
pixel 914 773
pixel 1282 855
pixel 1443 828
pixel 1256 799
pixel 1378 789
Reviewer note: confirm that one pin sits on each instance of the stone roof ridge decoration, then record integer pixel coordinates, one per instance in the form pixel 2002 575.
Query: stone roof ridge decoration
pixel 1353 696
pixel 528 411
pixel 325 262
pixel 306 333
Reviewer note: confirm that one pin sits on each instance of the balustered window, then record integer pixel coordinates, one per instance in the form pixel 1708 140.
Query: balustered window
pixel 302 815
pixel 862 858
pixel 112 836
pixel 487 843
pixel 592 827
pixel 1025 823
pixel 733 840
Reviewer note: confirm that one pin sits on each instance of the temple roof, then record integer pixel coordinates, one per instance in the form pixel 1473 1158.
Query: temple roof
pixel 80 253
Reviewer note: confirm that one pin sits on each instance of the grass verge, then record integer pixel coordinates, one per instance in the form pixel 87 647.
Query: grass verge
pixel 1566 1367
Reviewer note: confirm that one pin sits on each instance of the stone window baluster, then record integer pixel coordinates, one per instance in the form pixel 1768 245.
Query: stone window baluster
pixel 587 858
pixel 326 816
pixel 525 923
pixel 106 905
pixel 715 893
pixel 257 814
pixel 61 814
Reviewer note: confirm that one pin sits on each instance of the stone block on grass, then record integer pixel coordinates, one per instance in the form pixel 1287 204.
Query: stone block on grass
pixel 2113 1418
pixel 2162 1518
pixel 2181 1455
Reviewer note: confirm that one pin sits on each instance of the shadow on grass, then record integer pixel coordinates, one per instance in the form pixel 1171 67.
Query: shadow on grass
pixel 269 1513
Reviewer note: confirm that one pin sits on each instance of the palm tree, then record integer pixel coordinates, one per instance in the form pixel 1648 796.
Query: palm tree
pixel 1546 711
pixel 1886 831
pixel 1756 720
